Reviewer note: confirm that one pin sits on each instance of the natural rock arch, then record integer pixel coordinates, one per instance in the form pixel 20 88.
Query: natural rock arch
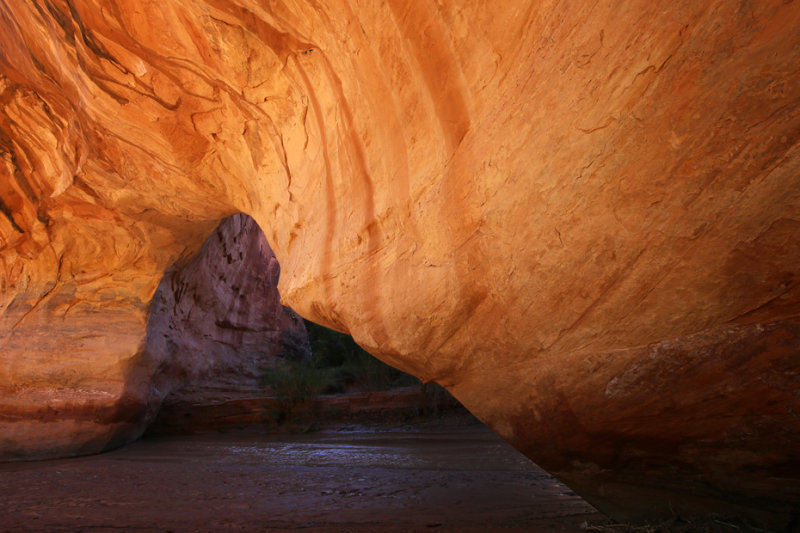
pixel 580 219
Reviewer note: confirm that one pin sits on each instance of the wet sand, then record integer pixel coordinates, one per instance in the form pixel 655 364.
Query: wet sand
pixel 465 480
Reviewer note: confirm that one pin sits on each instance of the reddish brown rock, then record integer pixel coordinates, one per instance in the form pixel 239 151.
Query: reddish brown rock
pixel 580 218
pixel 217 323
pixel 219 319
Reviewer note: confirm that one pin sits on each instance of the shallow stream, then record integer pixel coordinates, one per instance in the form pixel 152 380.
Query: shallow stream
pixel 466 480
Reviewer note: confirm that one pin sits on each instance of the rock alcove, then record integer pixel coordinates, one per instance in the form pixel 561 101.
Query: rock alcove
pixel 581 219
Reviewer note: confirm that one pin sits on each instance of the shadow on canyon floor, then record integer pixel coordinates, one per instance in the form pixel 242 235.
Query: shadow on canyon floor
pixel 439 473
pixel 464 479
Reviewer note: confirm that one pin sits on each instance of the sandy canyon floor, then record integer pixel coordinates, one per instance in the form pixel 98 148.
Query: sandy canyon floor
pixel 463 480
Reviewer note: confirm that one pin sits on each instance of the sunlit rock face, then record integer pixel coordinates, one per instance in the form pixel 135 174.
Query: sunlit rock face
pixel 581 218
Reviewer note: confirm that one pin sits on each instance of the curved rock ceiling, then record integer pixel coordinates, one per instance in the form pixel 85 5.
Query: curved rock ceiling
pixel 581 218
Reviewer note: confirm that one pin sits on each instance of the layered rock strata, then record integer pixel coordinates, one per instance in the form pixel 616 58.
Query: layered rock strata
pixel 215 326
pixel 580 217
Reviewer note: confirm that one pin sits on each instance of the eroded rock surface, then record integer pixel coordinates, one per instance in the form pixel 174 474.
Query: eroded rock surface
pixel 581 218
pixel 217 323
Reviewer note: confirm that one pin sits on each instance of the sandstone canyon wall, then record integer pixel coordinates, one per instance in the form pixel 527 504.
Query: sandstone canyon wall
pixel 581 218
pixel 217 323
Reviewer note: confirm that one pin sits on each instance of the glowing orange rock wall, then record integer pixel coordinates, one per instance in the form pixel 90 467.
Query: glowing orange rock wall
pixel 581 218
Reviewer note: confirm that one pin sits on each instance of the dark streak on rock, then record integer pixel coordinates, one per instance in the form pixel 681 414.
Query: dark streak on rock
pixel 43 217
pixel 8 147
pixel 61 19
pixel 10 216
pixel 81 184
pixel 103 86
pixel 38 64
pixel 88 39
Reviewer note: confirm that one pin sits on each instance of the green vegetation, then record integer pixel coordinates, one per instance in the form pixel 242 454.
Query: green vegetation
pixel 351 367
pixel 337 365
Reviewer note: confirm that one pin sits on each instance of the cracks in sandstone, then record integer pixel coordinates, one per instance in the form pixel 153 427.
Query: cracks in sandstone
pixel 623 273
pixel 44 296
pixel 10 216
pixel 99 78
pixel 788 287
pixel 607 123
pixel 24 187
pixel 652 69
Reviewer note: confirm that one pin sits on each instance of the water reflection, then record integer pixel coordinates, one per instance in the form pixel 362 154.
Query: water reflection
pixel 473 450
pixel 386 481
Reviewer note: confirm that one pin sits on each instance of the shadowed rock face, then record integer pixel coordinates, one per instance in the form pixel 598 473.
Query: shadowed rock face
pixel 582 219
pixel 218 323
